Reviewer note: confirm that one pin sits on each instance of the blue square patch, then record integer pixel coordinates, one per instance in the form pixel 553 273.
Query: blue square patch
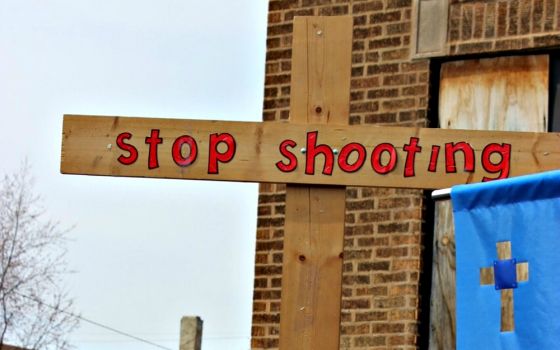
pixel 505 274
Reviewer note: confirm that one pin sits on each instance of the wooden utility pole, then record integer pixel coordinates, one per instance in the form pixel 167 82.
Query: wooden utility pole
pixel 191 333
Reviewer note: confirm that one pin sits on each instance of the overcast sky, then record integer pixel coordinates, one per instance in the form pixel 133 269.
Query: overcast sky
pixel 145 251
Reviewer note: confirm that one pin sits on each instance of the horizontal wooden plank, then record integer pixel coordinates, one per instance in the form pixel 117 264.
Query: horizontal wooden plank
pixel 522 270
pixel 252 152
pixel 486 276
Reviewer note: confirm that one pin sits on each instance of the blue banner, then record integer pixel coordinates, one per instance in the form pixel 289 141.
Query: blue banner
pixel 523 213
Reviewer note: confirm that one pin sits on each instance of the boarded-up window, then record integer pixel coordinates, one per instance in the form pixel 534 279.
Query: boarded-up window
pixel 506 93
pixel 430 28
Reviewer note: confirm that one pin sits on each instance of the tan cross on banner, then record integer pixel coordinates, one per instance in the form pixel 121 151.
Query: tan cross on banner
pixel 487 278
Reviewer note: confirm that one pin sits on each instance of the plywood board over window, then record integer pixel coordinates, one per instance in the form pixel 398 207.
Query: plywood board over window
pixel 505 93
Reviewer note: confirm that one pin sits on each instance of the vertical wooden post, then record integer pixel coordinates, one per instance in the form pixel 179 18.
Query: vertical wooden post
pixel 314 228
pixel 191 333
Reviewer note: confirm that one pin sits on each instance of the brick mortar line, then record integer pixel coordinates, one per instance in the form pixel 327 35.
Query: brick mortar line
pixel 506 38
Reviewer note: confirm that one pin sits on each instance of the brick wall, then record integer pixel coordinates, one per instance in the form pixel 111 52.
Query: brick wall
pixel 383 238
pixel 382 235
pixel 485 26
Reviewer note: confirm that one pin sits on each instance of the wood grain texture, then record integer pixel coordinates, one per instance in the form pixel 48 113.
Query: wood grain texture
pixel 314 228
pixel 89 147
pixel 522 270
pixel 487 276
pixel 507 320
pixel 504 250
pixel 312 268
pixel 442 298
pixel 506 93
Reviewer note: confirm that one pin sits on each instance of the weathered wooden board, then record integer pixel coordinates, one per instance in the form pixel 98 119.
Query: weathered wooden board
pixel 507 320
pixel 506 93
pixel 314 229
pixel 103 146
pixel 442 298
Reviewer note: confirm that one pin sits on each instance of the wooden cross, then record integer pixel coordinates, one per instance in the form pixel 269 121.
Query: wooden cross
pixel 316 148
pixel 519 272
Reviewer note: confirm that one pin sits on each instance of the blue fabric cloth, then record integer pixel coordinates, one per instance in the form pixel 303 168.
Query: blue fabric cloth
pixel 526 212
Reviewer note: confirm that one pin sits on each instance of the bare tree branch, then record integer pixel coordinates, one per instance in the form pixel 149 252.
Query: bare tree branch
pixel 32 263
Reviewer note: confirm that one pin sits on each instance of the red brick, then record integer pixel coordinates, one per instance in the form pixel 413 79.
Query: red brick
pixel 358 230
pixel 387 328
pixel 371 316
pixel 396 55
pixel 478 20
pixel 355 329
pixel 525 16
pixel 399 28
pixel 384 43
pixel 363 33
pixel 358 254
pixel 374 266
pixel 538 13
pixel 383 17
pixel 359 205
pixel 454 22
pixel 307 3
pixel 360 20
pixel 275 5
pixel 398 3
pixel 474 48
pixel 289 16
pixel 280 29
pixel 550 11
pixel 366 341
pixel 547 40
pixel 356 279
pixel 356 304
pixel 513 17
pixel 383 68
pixel 467 22
pixel 381 118
pixel 512 44
pixel 367 6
